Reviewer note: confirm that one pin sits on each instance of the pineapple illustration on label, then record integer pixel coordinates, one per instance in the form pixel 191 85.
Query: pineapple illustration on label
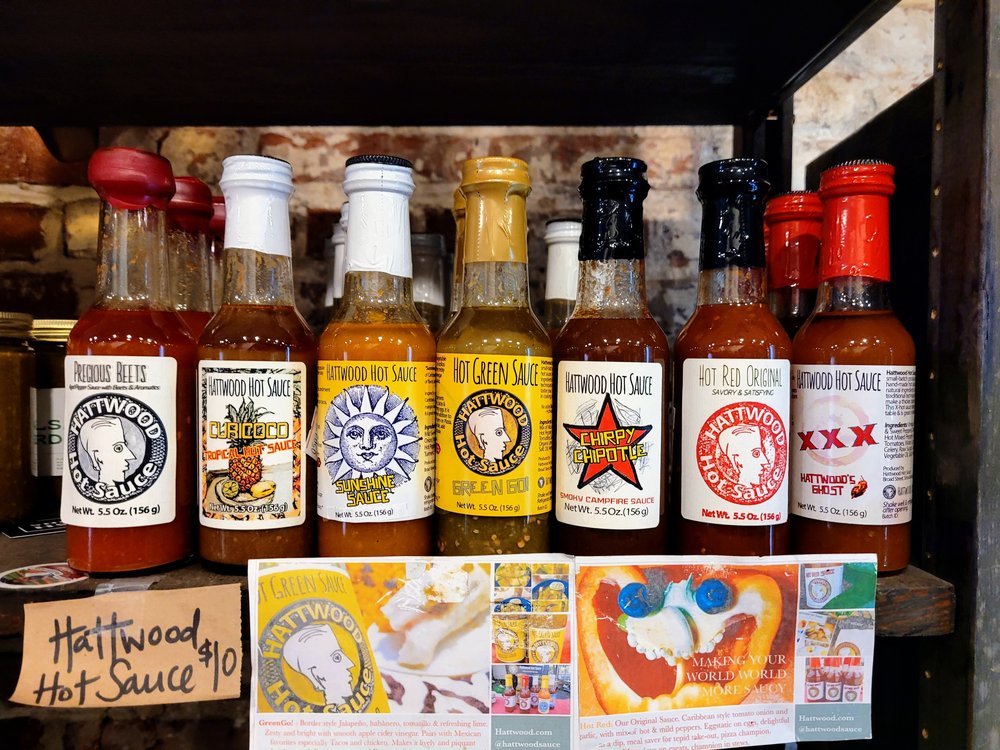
pixel 252 444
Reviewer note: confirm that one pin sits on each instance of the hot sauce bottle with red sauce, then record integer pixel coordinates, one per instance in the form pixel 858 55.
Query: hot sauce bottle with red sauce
pixel 217 230
pixel 189 255
pixel 610 435
pixel 126 498
pixel 794 222
pixel 853 384
pixel 732 381
pixel 256 382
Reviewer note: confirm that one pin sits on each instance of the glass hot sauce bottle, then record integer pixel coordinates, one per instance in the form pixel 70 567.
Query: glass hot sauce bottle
pixel 853 384
pixel 217 230
pixel 562 273
pixel 794 222
pixel 494 373
pixel 255 381
pixel 731 387
pixel 189 253
pixel 376 381
pixel 611 434
pixel 129 374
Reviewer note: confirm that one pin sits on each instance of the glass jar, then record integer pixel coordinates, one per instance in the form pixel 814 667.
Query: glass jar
pixel 47 401
pixel 17 363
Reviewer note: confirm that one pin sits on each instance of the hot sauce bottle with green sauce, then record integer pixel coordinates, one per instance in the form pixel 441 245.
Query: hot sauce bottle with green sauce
pixel 494 373
pixel 611 385
pixel 376 381
pixel 127 497
pixel 732 381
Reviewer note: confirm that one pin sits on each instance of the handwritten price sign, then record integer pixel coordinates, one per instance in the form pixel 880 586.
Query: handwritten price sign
pixel 132 649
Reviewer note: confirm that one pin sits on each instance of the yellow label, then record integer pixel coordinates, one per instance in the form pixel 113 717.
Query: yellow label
pixel 375 440
pixel 494 434
pixel 313 651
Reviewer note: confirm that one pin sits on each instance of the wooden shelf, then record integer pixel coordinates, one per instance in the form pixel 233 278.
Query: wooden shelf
pixel 911 603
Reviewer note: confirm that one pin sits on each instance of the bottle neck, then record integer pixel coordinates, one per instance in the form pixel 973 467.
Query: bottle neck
pixel 495 284
pixel 190 270
pixel 496 225
pixel 732 285
pixel 377 297
pixel 256 278
pixel 131 269
pixel 852 294
pixel 562 270
pixel 611 289
pixel 732 230
pixel 378 233
pixel 456 275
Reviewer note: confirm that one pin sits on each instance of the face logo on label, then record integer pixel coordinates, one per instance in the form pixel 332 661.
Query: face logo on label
pixel 116 448
pixel 370 431
pixel 606 446
pixel 492 432
pixel 742 452
pixel 315 657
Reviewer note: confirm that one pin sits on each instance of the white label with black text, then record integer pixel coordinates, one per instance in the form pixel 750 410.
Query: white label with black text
pixel 47 405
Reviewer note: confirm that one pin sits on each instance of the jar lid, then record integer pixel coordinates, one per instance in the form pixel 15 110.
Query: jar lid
pixel 217 224
pixel 130 178
pixel 191 207
pixel 858 176
pixel 495 169
pixel 427 244
pixel 15 324
pixel 52 330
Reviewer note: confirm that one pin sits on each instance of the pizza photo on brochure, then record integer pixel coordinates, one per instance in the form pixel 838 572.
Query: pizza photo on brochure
pixel 667 637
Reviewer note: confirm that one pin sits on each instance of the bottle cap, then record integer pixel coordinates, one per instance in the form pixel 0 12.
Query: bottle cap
pixel 15 324
pixel 379 188
pixel 563 230
pixel 131 179
pixel 427 244
pixel 793 225
pixel 375 172
pixel 52 330
pixel 257 190
pixel 562 273
pixel 191 207
pixel 855 198
pixel 732 194
pixel 217 224
pixel 612 189
pixel 495 169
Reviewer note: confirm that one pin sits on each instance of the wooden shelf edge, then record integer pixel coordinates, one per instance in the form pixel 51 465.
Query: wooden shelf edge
pixel 914 603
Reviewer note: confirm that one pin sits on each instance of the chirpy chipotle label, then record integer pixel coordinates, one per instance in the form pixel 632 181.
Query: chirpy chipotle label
pixel 376 440
pixel 609 444
pixel 121 441
pixel 252 444
pixel 494 434
pixel 132 649
pixel 734 441
pixel 852 443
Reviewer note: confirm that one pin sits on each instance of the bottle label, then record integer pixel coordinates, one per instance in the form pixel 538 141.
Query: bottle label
pixel 832 692
pixel 252 448
pixel 376 440
pixel 494 434
pixel 852 443
pixel 121 441
pixel 510 702
pixel 609 444
pixel 815 691
pixel 47 405
pixel 734 441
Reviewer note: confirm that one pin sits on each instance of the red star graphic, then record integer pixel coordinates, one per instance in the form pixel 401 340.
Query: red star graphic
pixel 627 436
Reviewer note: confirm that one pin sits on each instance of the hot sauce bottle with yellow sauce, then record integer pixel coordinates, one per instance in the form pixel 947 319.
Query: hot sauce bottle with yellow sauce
pixel 732 380
pixel 494 395
pixel 376 381
pixel 611 429
pixel 255 381
pixel 853 384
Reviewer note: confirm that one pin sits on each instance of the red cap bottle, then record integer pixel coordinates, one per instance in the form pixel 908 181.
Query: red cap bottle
pixel 794 223
pixel 188 216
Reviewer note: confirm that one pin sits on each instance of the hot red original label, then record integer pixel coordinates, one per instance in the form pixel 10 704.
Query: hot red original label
pixel 735 441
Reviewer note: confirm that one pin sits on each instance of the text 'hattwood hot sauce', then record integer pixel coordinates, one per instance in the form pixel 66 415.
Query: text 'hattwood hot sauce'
pixel 610 442
pixel 255 381
pixel 795 222
pixel 853 384
pixel 375 432
pixel 732 380
pixel 494 371
pixel 126 494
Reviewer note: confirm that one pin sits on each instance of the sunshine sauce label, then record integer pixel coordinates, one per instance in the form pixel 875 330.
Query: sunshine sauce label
pixel 494 434
pixel 734 441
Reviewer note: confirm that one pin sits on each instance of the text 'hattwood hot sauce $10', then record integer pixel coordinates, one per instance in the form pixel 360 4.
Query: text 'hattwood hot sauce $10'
pixel 494 372
pixel 126 498
pixel 732 381
pixel 375 435
pixel 610 440
pixel 853 382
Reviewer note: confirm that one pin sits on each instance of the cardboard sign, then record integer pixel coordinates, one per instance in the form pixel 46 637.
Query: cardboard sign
pixel 132 648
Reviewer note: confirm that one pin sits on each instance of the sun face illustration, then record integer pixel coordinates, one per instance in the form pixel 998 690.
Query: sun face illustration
pixel 370 431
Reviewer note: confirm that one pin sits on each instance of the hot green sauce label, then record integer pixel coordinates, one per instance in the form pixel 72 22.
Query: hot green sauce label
pixel 376 440
pixel 494 434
